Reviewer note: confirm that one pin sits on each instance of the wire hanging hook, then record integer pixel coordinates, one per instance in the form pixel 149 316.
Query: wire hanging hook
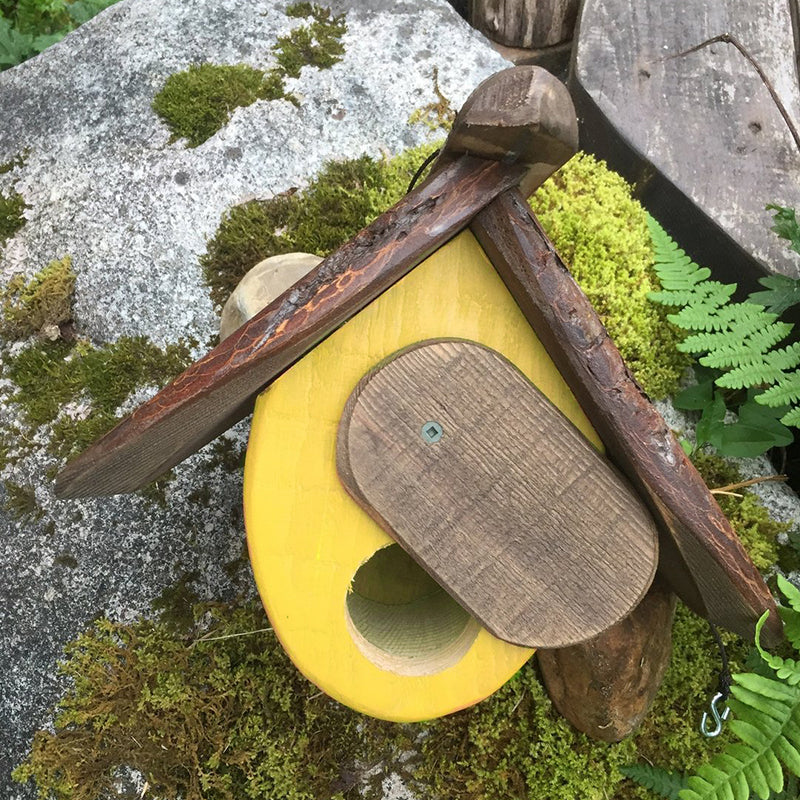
pixel 719 718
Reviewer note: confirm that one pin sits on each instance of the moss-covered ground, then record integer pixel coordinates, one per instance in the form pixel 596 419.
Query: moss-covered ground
pixel 45 302
pixel 204 703
pixel 197 102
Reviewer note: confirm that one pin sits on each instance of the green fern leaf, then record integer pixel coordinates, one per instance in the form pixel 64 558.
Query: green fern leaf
pixel 786 225
pixel 672 295
pixel 790 592
pixel 792 418
pixel 782 293
pixel 767 723
pixel 771 369
pixel 783 393
pixel 661 781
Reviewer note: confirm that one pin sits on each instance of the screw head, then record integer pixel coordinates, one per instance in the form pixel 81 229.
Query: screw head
pixel 431 432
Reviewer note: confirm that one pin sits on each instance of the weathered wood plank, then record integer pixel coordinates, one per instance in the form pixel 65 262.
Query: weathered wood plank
pixel 219 389
pixel 496 494
pixel 701 555
pixel 525 23
pixel 605 686
pixel 699 133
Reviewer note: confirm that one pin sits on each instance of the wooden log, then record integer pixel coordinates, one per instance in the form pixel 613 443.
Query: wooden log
pixel 219 389
pixel 701 555
pixel 520 115
pixel 525 23
pixel 605 687
pixel 496 494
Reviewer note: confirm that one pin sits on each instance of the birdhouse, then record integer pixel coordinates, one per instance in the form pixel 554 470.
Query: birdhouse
pixel 450 466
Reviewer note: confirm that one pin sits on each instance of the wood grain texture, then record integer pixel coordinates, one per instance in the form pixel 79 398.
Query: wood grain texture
pixel 512 511
pixel 605 687
pixel 525 23
pixel 219 389
pixel 703 123
pixel 700 554
pixel 520 115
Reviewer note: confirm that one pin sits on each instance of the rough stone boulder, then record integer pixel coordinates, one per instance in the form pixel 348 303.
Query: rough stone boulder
pixel 98 176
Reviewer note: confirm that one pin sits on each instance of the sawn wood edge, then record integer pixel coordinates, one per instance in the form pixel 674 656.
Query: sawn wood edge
pixel 701 555
pixel 218 390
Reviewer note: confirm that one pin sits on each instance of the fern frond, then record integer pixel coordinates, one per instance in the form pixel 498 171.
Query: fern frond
pixel 792 418
pixel 767 722
pixel 661 781
pixel 673 295
pixel 791 615
pixel 730 350
pixel 771 369
pixel 786 391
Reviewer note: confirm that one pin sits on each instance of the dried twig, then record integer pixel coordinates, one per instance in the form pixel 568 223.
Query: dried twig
pixel 729 38
pixel 732 487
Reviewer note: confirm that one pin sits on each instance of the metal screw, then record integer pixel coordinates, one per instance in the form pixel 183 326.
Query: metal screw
pixel 432 432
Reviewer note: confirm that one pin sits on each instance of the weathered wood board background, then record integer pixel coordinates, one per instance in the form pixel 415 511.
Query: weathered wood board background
pixel 701 127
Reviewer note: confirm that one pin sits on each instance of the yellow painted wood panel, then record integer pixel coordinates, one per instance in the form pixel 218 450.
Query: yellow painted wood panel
pixel 307 537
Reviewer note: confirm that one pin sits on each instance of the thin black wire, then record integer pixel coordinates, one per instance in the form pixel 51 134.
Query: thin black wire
pixel 419 172
pixel 724 686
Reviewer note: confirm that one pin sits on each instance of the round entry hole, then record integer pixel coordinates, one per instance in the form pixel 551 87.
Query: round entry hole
pixel 403 620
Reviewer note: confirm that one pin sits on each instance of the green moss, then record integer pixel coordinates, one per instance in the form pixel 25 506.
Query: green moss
pixel 11 220
pixel 748 516
pixel 601 233
pixel 316 45
pixel 215 718
pixel 13 163
pixel 26 308
pixel 21 502
pixel 197 102
pixel 101 377
pixel 236 720
pixel 343 198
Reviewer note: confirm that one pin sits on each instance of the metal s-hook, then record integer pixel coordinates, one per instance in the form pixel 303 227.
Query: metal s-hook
pixel 719 718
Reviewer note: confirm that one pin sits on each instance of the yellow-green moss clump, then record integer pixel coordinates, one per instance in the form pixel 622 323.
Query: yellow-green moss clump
pixel 78 374
pixel 29 307
pixel 203 711
pixel 11 220
pixel 197 102
pixel 601 233
pixel 343 198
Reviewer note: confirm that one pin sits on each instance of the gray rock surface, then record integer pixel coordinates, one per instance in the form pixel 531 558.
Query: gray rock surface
pixel 103 185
